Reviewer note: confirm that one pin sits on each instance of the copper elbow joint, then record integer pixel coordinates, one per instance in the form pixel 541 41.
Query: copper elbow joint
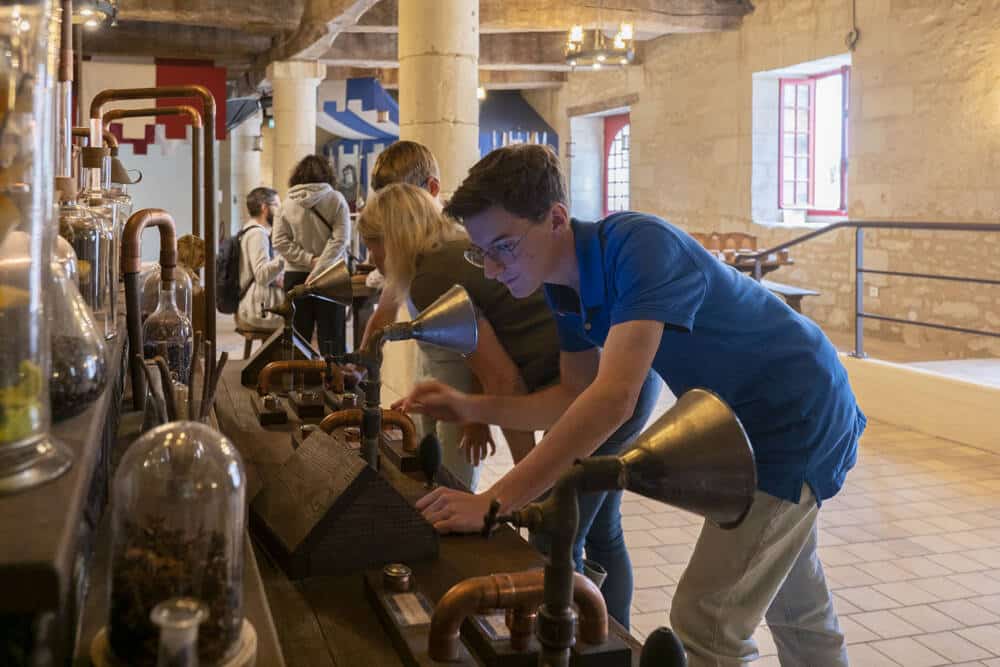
pixel 279 368
pixel 519 592
pixel 132 241
pixel 353 417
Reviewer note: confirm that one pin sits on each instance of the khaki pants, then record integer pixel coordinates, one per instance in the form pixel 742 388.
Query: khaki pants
pixel 767 567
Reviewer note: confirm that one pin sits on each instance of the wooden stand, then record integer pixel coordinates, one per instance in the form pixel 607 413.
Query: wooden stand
pixel 409 638
pixel 309 405
pixel 268 413
pixel 276 348
pixel 327 512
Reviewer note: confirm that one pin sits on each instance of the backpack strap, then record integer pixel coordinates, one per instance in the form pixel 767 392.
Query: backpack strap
pixel 239 239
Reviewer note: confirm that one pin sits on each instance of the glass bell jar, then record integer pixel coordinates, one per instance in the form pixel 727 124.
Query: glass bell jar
pixel 168 331
pixel 79 356
pixel 150 281
pixel 28 454
pixel 177 531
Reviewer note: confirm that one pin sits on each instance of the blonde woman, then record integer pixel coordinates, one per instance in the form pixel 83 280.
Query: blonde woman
pixel 421 253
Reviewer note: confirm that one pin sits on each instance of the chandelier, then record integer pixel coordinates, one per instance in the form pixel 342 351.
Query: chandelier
pixel 616 53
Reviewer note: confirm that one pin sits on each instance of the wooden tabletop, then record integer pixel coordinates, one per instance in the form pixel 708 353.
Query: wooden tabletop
pixel 328 621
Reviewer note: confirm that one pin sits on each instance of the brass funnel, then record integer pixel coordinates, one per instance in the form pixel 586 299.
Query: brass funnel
pixel 696 457
pixel 449 323
pixel 330 283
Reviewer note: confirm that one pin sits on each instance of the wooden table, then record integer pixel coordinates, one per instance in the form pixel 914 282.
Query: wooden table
pixel 328 621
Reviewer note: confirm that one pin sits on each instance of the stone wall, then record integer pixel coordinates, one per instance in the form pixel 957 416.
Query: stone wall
pixel 924 144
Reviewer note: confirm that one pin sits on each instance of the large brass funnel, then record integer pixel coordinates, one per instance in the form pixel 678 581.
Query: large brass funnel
pixel 696 457
pixel 329 283
pixel 449 323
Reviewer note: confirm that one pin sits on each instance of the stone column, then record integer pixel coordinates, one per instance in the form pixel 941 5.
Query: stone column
pixel 245 165
pixel 294 85
pixel 267 157
pixel 438 77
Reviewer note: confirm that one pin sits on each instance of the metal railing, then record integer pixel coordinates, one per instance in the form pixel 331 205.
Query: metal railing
pixel 859 227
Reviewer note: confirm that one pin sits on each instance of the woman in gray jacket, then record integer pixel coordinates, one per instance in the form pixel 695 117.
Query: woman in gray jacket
pixel 314 227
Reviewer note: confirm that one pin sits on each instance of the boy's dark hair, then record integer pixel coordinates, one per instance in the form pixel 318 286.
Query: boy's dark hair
pixel 312 169
pixel 257 198
pixel 525 180
pixel 404 162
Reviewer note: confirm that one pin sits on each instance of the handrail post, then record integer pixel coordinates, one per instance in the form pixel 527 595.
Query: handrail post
pixel 757 271
pixel 859 294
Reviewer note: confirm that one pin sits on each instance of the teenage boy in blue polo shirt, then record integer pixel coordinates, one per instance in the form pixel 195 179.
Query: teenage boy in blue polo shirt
pixel 633 292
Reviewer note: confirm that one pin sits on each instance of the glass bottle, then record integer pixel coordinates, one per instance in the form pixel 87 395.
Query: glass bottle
pixel 151 290
pixel 105 211
pixel 79 356
pixel 79 226
pixel 28 454
pixel 168 327
pixel 178 620
pixel 65 256
pixel 178 517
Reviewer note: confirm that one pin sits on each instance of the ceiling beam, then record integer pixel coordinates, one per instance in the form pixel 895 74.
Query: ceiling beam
pixel 253 16
pixel 171 40
pixel 509 51
pixel 489 79
pixel 650 17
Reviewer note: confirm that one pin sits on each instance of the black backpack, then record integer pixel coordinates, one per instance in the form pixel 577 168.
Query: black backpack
pixel 227 273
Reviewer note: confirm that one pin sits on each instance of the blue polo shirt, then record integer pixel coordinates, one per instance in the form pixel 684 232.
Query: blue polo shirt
pixel 724 332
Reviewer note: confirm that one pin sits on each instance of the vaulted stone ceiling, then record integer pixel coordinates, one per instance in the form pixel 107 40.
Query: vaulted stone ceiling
pixel 521 44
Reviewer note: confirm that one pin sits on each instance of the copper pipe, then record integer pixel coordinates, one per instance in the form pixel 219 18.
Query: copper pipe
pixel 355 416
pixel 279 368
pixel 111 115
pixel 110 139
pixel 132 240
pixel 208 137
pixel 522 592
pixel 197 184
pixel 131 261
pixel 66 42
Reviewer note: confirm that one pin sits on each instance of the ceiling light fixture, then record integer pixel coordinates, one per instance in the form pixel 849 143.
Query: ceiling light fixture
pixel 93 13
pixel 480 93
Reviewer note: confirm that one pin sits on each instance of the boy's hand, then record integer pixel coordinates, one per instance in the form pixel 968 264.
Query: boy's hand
pixel 477 443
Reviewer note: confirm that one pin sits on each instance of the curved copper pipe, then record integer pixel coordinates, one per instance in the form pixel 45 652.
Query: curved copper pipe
pixel 521 591
pixel 111 115
pixel 278 368
pixel 197 185
pixel 132 241
pixel 354 416
pixel 110 139
pixel 208 155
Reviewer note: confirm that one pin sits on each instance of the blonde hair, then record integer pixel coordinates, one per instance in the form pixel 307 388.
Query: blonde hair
pixel 409 222
pixel 404 162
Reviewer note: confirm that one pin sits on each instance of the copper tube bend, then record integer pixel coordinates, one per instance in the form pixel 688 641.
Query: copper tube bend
pixel 109 139
pixel 353 417
pixel 111 115
pixel 520 591
pixel 132 241
pixel 279 368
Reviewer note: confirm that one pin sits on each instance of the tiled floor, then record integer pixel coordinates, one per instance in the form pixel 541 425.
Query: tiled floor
pixel 911 549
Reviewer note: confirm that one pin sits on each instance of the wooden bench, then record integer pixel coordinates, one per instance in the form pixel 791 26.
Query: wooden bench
pixel 791 294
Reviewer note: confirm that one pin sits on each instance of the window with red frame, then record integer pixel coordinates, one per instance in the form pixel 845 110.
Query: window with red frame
pixel 616 163
pixel 812 171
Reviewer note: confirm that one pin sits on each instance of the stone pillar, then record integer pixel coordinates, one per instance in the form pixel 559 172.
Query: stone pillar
pixel 245 164
pixel 294 85
pixel 438 77
pixel 267 156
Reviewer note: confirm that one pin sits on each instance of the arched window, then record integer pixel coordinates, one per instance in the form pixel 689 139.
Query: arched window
pixel 616 181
